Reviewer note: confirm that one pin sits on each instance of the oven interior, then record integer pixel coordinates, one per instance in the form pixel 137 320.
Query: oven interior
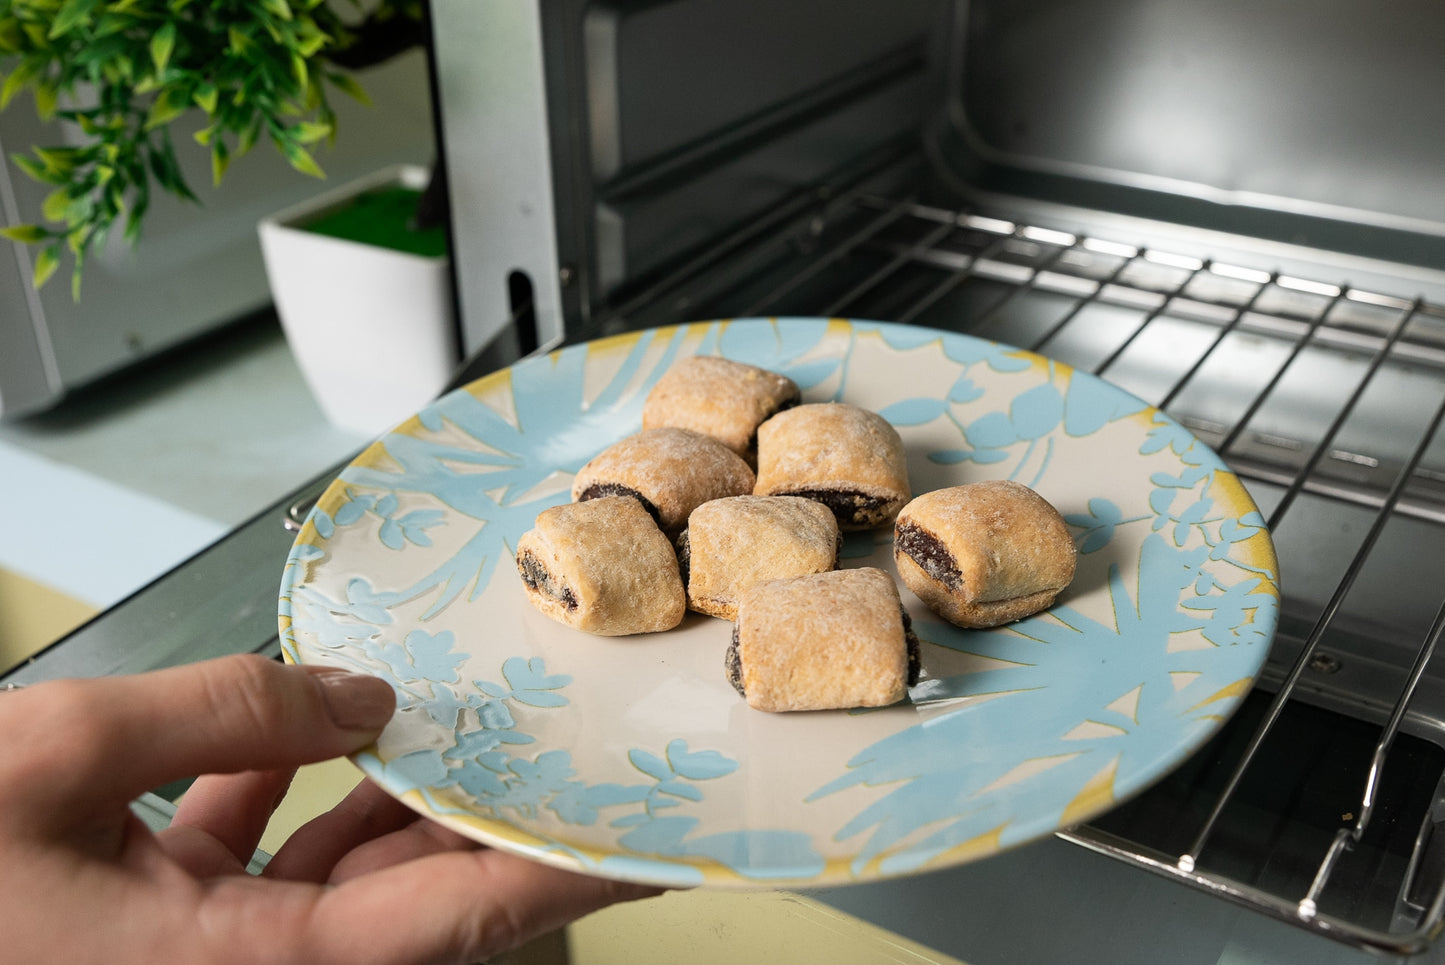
pixel 1225 209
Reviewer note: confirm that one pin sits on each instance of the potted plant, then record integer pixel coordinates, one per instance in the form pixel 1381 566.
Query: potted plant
pixel 119 74
pixel 364 295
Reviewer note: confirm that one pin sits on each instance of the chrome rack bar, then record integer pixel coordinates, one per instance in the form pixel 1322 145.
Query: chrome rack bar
pixel 1149 317
pixel 760 236
pixel 898 261
pixel 1264 393
pixel 1091 298
pixel 1323 447
pixel 1189 859
pixel 970 270
pixel 834 254
pixel 1019 287
pixel 1409 942
pixel 1004 232
pixel 1218 339
pixel 1346 838
pixel 1341 493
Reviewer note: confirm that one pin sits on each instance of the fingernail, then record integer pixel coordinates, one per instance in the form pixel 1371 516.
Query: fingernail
pixel 355 701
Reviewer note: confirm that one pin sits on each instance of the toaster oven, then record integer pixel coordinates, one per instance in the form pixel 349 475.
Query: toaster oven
pixel 1229 210
pixel 1232 211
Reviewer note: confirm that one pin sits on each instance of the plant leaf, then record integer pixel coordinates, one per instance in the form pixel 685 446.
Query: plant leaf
pixel 206 97
pixel 16 81
pixel 72 14
pixel 26 234
pixel 220 160
pixel 37 171
pixel 54 206
pixel 46 261
pixel 163 43
pixel 165 108
pixel 348 85
pixel 47 96
pixel 301 160
pixel 309 132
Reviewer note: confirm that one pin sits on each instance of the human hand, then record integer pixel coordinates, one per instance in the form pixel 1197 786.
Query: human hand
pixel 82 879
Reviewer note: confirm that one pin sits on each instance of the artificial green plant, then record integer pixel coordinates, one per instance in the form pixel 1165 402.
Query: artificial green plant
pixel 120 72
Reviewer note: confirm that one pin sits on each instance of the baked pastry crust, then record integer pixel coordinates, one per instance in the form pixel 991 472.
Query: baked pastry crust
pixel 672 471
pixel 732 543
pixel 848 458
pixel 720 398
pixel 984 554
pixel 602 566
pixel 827 641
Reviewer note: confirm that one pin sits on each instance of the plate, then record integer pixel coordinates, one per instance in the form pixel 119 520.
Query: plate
pixel 632 757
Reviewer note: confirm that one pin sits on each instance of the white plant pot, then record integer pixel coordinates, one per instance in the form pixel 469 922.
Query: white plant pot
pixel 371 328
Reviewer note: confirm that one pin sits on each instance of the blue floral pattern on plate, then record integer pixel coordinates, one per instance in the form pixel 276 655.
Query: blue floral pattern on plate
pixel 633 757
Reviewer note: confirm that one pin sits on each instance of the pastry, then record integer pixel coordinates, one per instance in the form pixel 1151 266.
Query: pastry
pixel 983 554
pixel 670 471
pixel 732 543
pixel 849 459
pixel 720 398
pixel 827 641
pixel 602 566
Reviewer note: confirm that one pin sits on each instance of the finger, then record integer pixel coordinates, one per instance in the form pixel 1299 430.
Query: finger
pixel 417 840
pixel 198 853
pixel 220 820
pixel 365 814
pixel 468 906
pixel 120 736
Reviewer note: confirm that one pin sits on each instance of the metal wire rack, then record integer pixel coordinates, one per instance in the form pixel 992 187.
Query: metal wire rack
pixel 1325 398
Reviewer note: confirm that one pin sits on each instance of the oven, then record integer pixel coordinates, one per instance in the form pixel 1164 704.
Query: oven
pixel 1231 211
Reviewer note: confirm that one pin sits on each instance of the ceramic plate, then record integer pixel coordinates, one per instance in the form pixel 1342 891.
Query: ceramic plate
pixel 633 757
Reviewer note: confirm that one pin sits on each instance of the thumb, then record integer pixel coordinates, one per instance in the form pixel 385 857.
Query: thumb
pixel 110 739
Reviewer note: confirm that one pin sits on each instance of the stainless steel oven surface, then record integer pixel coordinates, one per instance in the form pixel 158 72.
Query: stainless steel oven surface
pixel 1232 211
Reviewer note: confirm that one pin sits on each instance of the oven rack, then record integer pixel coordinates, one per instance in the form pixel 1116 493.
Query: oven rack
pixel 864 256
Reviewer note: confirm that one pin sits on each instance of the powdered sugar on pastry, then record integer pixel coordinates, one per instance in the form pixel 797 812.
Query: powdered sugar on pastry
pixel 720 398
pixel 985 553
pixel 673 470
pixel 823 642
pixel 733 543
pixel 848 458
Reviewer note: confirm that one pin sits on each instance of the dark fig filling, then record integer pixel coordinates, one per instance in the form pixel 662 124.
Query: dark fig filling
pixel 684 556
pixel 910 640
pixel 930 554
pixel 851 508
pixel 733 664
pixel 535 575
pixel 598 490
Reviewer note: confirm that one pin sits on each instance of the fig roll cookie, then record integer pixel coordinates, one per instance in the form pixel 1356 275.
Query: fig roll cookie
pixel 720 398
pixel 984 554
pixel 845 457
pixel 670 471
pixel 732 543
pixel 828 641
pixel 602 566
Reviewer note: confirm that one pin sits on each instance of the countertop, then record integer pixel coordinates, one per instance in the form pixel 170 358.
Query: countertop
pixel 134 474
